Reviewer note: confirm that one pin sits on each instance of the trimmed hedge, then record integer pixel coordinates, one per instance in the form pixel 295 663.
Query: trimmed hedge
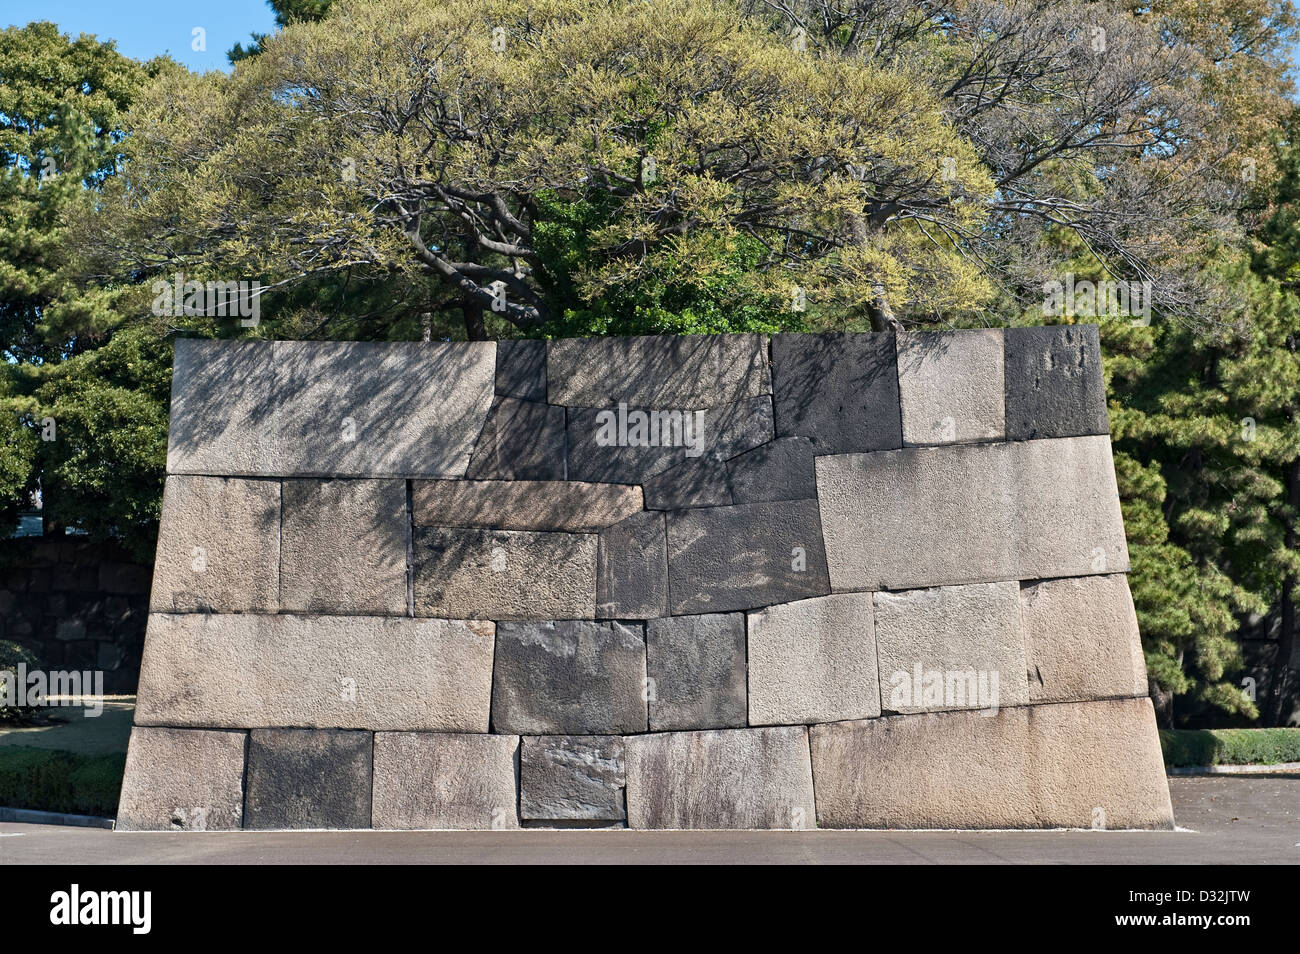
pixel 1185 747
pixel 55 781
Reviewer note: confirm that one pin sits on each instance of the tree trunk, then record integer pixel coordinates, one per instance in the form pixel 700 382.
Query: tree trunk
pixel 475 329
pixel 1280 684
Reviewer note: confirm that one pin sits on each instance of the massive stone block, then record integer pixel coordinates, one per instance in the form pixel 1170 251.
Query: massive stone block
pixel 433 780
pixel 572 677
pixel 687 371
pixel 841 390
pixel 701 482
pixel 925 516
pixel 572 505
pixel 350 672
pixel 632 579
pixel 778 470
pixel 1054 383
pixel 1081 639
pixel 698 671
pixel 504 574
pixel 366 409
pixel 521 440
pixel 619 445
pixel 308 778
pixel 745 556
pixel 951 386
pixel 343 547
pixel 218 546
pixel 813 661
pixel 182 780
pixel 1025 767
pixel 521 370
pixel 572 778
pixel 727 778
pixel 951 647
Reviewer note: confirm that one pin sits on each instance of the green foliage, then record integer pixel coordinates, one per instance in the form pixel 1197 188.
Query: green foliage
pixel 11 656
pixel 286 12
pixel 1193 747
pixel 54 781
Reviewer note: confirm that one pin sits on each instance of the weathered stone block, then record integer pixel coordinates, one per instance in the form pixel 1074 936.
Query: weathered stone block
pixel 1025 767
pixel 923 516
pixel 182 779
pixel 571 505
pixel 218 546
pixel 521 440
pixel 351 672
pixel 841 390
pixel 1081 639
pixel 521 370
pixel 572 778
pixel 950 384
pixel 813 661
pixel 951 647
pixel 778 470
pixel 1054 383
pixel 632 579
pixel 504 574
pixel 741 557
pixel 727 778
pixel 308 778
pixel 433 780
pixel 571 677
pixel 343 547
pixel 701 482
pixel 686 371
pixel 697 667
pixel 628 445
pixel 224 408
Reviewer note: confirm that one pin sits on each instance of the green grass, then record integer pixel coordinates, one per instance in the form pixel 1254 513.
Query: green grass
pixel 56 781
pixel 1184 747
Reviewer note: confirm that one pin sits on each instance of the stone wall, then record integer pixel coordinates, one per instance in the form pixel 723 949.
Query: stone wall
pixel 79 606
pixel 832 580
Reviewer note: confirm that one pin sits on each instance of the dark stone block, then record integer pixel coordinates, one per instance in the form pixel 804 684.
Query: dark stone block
pixel 778 470
pixel 701 482
pixel 308 778
pixel 1054 384
pixel 572 778
pixel 698 668
pixel 521 440
pixel 632 569
pixel 745 556
pixel 521 370
pixel 840 389
pixel 124 578
pixel 722 431
pixel 571 677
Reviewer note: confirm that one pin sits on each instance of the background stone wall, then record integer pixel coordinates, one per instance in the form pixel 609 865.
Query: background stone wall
pixel 840 580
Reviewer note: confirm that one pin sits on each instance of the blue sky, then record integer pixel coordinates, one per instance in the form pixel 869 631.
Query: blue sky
pixel 145 28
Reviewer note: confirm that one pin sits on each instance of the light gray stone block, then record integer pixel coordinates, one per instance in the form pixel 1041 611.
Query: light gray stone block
pixel 349 672
pixel 813 661
pixel 701 482
pixel 427 780
pixel 218 546
pixel 725 778
pixel 572 778
pixel 571 505
pixel 1054 383
pixel 629 445
pixel 521 370
pixel 308 778
pixel 504 574
pixel 745 556
pixel 951 387
pixel 697 666
pixel 1026 767
pixel 571 677
pixel 632 578
pixel 182 780
pixel 839 389
pixel 1081 639
pixel 686 371
pixel 951 647
pixel 778 470
pixel 343 547
pixel 521 440
pixel 925 516
pixel 328 408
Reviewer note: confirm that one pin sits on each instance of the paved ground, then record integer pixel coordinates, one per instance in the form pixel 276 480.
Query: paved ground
pixel 105 734
pixel 1233 820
